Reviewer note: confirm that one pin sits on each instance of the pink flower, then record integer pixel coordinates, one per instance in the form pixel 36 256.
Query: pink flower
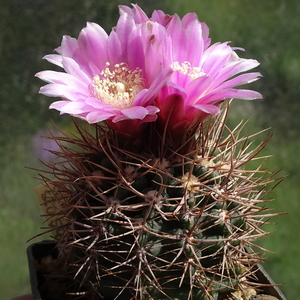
pixel 111 78
pixel 204 75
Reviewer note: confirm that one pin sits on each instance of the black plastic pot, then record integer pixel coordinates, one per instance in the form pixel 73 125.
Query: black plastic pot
pixel 36 252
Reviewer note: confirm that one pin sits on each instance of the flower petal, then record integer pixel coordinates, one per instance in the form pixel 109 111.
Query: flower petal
pixel 98 116
pixel 92 41
pixel 72 108
pixel 54 59
pixel 137 112
pixel 208 108
pixel 64 79
pixel 63 91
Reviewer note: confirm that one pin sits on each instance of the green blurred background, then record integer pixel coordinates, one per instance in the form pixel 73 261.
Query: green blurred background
pixel 29 29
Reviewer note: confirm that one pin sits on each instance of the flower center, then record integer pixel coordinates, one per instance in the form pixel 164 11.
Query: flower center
pixel 186 69
pixel 119 86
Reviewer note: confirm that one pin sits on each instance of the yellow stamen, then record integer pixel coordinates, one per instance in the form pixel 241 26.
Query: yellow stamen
pixel 187 69
pixel 119 86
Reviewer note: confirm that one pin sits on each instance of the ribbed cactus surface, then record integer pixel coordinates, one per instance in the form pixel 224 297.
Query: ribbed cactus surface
pixel 169 224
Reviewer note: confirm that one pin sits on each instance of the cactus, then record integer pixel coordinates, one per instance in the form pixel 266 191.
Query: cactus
pixel 152 226
pixel 154 191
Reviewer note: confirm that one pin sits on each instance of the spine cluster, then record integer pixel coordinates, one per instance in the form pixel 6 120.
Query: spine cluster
pixel 175 226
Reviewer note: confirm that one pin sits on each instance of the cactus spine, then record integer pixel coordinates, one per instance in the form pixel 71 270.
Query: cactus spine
pixel 159 223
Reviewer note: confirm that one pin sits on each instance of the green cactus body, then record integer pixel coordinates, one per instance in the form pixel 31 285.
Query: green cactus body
pixel 144 226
